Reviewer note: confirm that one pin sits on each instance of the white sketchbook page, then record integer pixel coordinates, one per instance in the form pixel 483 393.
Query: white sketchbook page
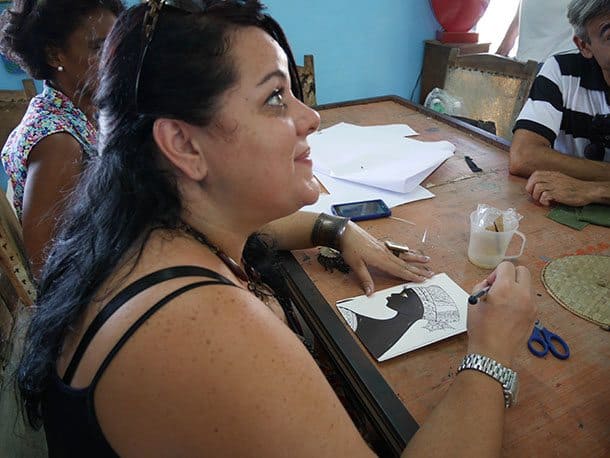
pixel 342 191
pixel 444 315
pixel 376 156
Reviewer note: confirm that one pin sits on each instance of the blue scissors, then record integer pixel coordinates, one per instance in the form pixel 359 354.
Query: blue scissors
pixel 546 339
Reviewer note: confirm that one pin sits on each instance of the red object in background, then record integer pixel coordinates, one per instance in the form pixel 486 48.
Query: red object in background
pixel 457 17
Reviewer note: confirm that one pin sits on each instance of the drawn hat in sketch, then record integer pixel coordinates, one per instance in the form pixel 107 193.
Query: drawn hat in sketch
pixel 439 308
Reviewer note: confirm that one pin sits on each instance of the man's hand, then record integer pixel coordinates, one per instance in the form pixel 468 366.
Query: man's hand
pixel 547 187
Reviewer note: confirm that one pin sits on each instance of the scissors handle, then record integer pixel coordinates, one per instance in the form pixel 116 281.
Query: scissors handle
pixel 548 341
pixel 538 338
pixel 552 340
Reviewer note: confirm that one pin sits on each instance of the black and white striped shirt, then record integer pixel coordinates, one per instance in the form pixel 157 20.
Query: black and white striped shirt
pixel 566 94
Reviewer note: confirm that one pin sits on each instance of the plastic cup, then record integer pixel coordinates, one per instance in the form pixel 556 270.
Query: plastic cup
pixel 487 249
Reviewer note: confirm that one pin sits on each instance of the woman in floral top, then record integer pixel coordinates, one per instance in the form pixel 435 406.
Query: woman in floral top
pixel 56 41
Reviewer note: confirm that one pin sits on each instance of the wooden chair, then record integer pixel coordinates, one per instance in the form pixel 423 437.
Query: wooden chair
pixel 307 76
pixel 17 294
pixel 13 261
pixel 493 88
pixel 12 107
pixel 16 286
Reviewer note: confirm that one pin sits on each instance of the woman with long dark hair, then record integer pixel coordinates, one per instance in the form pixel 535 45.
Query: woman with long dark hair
pixel 155 334
pixel 57 41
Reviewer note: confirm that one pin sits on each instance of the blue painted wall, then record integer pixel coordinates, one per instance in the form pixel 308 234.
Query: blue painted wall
pixel 362 48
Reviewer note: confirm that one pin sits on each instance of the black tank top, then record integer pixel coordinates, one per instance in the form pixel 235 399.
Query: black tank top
pixel 70 423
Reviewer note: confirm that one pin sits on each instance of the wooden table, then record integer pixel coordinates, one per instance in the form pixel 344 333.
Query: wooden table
pixel 564 406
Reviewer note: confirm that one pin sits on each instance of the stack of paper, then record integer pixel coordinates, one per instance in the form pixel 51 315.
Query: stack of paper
pixel 376 162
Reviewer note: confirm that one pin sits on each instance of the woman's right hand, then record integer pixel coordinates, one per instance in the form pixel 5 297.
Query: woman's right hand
pixel 499 324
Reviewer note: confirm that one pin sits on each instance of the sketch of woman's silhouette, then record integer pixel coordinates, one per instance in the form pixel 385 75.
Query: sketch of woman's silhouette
pixel 431 303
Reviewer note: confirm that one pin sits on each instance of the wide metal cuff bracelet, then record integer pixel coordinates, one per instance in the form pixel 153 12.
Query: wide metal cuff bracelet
pixel 328 231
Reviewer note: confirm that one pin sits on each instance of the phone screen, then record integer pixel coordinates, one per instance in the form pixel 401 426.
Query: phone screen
pixel 362 210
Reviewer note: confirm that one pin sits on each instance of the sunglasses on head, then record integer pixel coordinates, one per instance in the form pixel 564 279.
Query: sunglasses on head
pixel 151 18
pixel 150 24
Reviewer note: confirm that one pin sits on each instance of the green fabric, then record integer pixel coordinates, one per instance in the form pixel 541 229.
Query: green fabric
pixel 596 214
pixel 579 217
pixel 567 216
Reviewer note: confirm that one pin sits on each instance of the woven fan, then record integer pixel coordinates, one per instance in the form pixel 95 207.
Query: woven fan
pixel 581 284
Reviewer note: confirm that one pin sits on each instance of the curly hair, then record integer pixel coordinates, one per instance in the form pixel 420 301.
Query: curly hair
pixel 28 28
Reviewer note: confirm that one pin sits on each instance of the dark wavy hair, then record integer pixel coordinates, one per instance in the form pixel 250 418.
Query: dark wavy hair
pixel 28 28
pixel 127 192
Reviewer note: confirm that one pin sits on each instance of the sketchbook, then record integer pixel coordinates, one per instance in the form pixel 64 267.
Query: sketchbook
pixel 403 318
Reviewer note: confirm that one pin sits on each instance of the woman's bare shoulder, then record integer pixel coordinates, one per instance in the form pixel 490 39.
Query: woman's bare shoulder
pixel 213 365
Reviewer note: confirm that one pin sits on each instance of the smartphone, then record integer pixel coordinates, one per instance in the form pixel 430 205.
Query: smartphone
pixel 358 211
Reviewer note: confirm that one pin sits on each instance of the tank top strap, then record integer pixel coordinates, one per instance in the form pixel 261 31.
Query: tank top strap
pixel 150 312
pixel 131 291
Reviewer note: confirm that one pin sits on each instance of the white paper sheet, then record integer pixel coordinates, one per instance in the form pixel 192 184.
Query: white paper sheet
pixel 378 156
pixel 342 191
pixel 406 317
pixel 364 133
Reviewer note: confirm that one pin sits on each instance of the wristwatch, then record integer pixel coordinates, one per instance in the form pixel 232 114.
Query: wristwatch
pixel 507 377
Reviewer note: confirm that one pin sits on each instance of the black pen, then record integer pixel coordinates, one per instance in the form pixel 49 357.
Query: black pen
pixel 476 296
pixel 474 167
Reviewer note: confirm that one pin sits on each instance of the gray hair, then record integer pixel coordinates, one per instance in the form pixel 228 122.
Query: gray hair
pixel 582 11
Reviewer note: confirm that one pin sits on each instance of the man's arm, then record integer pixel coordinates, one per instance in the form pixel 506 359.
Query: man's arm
pixel 530 152
pixel 508 42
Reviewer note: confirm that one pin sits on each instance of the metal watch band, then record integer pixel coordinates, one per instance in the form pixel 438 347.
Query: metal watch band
pixel 505 376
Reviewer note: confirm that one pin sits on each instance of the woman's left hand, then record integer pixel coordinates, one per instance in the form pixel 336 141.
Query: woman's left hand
pixel 361 251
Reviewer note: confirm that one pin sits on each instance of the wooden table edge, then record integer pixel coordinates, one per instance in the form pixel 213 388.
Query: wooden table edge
pixel 387 413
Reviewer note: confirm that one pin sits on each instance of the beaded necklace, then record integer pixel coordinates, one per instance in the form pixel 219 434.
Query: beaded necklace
pixel 253 280
pixel 249 275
